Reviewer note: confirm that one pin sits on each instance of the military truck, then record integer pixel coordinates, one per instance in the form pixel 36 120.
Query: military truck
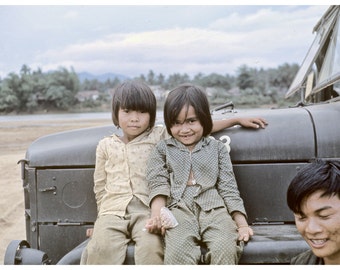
pixel 57 171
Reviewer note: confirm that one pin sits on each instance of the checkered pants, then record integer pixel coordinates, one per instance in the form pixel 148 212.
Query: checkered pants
pixel 214 228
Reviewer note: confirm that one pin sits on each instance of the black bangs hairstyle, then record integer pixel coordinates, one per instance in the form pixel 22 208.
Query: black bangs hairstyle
pixel 136 96
pixel 183 96
pixel 320 175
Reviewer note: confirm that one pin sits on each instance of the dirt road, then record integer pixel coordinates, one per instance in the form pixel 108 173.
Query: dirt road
pixel 15 138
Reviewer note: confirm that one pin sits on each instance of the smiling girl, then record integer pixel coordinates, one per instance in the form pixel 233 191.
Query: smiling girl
pixel 192 174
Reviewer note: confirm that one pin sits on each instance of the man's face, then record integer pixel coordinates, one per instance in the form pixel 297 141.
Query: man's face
pixel 319 225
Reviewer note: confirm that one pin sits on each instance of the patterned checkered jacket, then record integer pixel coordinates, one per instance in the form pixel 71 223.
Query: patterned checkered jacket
pixel 169 167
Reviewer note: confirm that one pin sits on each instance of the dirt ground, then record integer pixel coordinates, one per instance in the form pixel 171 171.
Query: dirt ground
pixel 15 138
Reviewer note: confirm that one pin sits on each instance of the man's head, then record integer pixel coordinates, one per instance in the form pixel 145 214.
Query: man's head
pixel 314 197
pixel 321 175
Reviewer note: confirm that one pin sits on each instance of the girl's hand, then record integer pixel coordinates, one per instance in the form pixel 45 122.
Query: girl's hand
pixel 245 233
pixel 154 225
pixel 253 122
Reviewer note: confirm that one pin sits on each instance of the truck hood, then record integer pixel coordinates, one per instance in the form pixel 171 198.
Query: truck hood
pixel 292 135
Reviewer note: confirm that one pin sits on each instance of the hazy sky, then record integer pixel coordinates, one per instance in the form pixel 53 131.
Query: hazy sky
pixel 131 39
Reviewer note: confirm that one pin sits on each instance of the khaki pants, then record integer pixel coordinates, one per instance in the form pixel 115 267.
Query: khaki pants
pixel 112 234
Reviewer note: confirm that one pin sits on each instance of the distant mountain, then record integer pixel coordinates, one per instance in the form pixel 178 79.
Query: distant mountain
pixel 101 78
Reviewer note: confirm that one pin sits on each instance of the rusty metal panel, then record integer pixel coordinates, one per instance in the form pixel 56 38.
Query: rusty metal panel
pixel 263 189
pixel 65 196
pixel 326 120
pixel 288 137
pixel 31 206
pixel 56 240
pixel 273 244
pixel 69 149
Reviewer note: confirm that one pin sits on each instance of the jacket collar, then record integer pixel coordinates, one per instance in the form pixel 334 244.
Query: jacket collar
pixel 202 143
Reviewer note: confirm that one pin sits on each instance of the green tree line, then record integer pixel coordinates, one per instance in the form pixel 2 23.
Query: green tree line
pixel 31 91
